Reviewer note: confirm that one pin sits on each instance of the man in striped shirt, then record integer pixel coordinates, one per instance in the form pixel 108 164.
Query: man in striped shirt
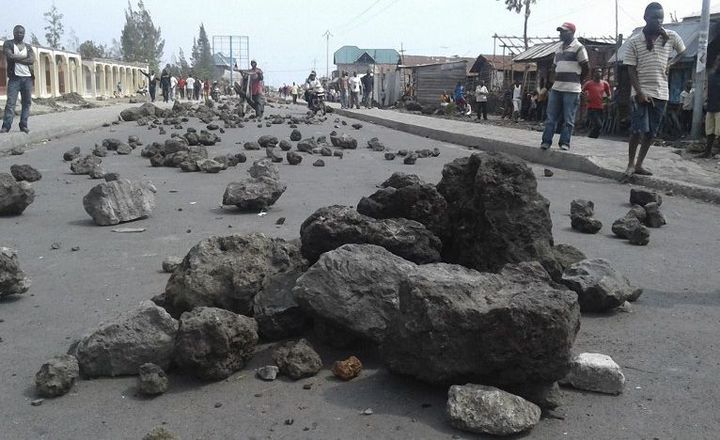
pixel 647 58
pixel 571 68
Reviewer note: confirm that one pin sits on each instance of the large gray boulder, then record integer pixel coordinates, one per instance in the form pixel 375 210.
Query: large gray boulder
pixel 457 325
pixel 25 173
pixel 264 168
pixel 488 410
pixel 598 285
pixel 119 347
pixel 57 376
pixel 12 279
pixel 496 214
pixel 355 288
pixel 276 311
pixel 253 194
pixel 419 202
pixel 85 165
pixel 344 141
pixel 110 203
pixel 14 196
pixel 228 272
pixel 331 227
pixel 214 343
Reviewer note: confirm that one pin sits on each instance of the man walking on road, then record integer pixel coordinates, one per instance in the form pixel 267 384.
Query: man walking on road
pixel 368 82
pixel 257 101
pixel 165 83
pixel 20 60
pixel 647 60
pixel 343 85
pixel 687 96
pixel 595 91
pixel 571 67
pixel 294 90
pixel 481 97
pixel 354 83
pixel 517 97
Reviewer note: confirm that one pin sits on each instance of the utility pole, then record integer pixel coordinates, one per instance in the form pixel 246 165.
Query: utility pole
pixel 700 70
pixel 327 36
pixel 314 64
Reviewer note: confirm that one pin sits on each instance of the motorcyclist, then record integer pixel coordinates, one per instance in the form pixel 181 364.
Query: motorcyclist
pixel 313 86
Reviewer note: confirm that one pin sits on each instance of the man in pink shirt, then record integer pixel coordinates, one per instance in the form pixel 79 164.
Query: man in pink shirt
pixel 595 92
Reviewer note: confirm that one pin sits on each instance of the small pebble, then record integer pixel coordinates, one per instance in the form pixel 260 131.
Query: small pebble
pixel 218 405
pixel 307 386
pixel 55 245
pixel 367 412
pixel 289 421
pixel 75 248
pixel 37 402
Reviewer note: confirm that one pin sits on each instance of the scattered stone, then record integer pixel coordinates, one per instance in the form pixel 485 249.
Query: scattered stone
pixel 319 163
pixel 375 144
pixel 210 166
pixel 273 155
pixel 639 236
pixel 110 203
pixel 124 149
pixel 75 248
pixel 326 151
pixel 37 402
pixel 251 146
pixel 356 126
pixel 275 309
pixel 403 153
pixel 654 218
pixel 152 380
pixel 565 256
pixel 295 135
pixel 100 151
pixel 595 372
pixel 496 214
pixel 338 153
pixel 169 264
pixel 254 194
pixel 582 208
pixel 297 359
pixel 548 172
pixel 97 173
pixel 160 433
pixel 294 158
pixel 307 145
pixel 581 217
pixel 643 197
pixel 348 369
pixel 598 286
pixel 546 396
pixel 25 173
pixel 367 412
pixel 488 410
pixel 331 227
pixel 14 196
pixel 280 221
pixel 410 159
pixel 71 154
pixel 264 168
pixel 285 145
pixel 229 272
pixel 119 347
pixel 84 165
pixel 111 177
pixel 389 156
pixel 625 226
pixel 57 376
pixel 266 141
pixel 214 343
pixel 344 141
pixel 55 245
pixel 268 372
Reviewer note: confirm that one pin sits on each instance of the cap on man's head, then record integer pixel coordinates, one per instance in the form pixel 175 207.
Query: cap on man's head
pixel 567 27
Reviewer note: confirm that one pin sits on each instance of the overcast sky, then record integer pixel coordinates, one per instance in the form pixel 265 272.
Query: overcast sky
pixel 286 37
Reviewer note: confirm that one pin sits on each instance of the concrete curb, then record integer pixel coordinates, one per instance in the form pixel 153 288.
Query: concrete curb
pixel 23 141
pixel 558 159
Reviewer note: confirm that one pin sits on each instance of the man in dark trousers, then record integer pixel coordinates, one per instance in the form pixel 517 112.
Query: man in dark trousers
pixel 595 91
pixel 712 119
pixel 20 60
pixel 152 84
pixel 165 83
pixel 368 82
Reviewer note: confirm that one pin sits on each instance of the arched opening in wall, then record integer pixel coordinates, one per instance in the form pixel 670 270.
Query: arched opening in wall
pixel 62 73
pixel 46 67
pixel 3 74
pixel 122 84
pixel 74 71
pixel 108 80
pixel 87 80
pixel 116 78
pixel 98 80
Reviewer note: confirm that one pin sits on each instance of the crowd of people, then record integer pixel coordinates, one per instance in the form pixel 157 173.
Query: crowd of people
pixel 173 87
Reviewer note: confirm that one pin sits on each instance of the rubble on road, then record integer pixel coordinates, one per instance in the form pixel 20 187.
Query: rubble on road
pixel 119 201
pixel 85 165
pixel 595 372
pixel 15 196
pixel 57 376
pixel 259 191
pixel 297 359
pixel 581 217
pixel 25 173
pixel 267 373
pixel 598 285
pixel 160 433
pixel 152 380
pixel 347 369
pixel 13 280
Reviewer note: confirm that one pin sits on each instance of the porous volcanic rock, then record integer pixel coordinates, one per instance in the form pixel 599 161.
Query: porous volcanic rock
pixel 275 309
pixel 297 359
pixel 228 272
pixel 344 141
pixel 331 227
pixel 14 196
pixel 110 203
pixel 25 173
pixel 214 343
pixel 496 214
pixel 119 347
pixel 253 194
pixel 85 165
pixel 57 376
pixel 642 197
pixel 12 279
pixel 598 285
pixel 152 380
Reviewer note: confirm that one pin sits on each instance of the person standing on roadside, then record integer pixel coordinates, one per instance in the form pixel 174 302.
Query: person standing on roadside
pixel 190 87
pixel 595 91
pixel 355 85
pixel 181 87
pixel 343 85
pixel 542 97
pixel 257 88
pixel 687 97
pixel 368 82
pixel 165 83
pixel 481 98
pixel 571 67
pixel 173 87
pixel 517 97
pixel 294 92
pixel 712 118
pixel 152 83
pixel 647 58
pixel 20 58
pixel 198 90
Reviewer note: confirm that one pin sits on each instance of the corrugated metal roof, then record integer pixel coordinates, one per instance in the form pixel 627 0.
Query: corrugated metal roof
pixel 350 54
pixel 688 29
pixel 536 52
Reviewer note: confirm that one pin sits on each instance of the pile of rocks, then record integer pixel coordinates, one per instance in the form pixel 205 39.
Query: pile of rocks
pixel 581 217
pixel 644 213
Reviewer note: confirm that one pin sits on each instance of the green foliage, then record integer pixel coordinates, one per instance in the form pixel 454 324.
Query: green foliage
pixel 203 65
pixel 34 40
pixel 183 65
pixel 140 40
pixel 88 50
pixel 54 30
pixel 451 109
pixel 517 5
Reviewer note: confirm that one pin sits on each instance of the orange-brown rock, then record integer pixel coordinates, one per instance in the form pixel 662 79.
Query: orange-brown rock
pixel 348 369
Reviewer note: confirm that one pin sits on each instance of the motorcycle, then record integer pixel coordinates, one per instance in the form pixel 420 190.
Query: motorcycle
pixel 317 102
pixel 215 92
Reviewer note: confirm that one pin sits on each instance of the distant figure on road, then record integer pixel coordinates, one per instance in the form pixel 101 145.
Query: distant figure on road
pixel 517 97
pixel 182 83
pixel 190 87
pixel 173 87
pixel 20 58
pixel 595 91
pixel 257 88
pixel 507 103
pixel 542 98
pixel 355 86
pixel 368 82
pixel 712 119
pixel 343 86
pixel 294 89
pixel 571 68
pixel 165 83
pixel 118 89
pixel 152 84
pixel 647 58
pixel 198 89
pixel 481 97
pixel 687 97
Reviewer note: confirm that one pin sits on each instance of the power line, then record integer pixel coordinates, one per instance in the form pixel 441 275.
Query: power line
pixel 373 16
pixel 360 14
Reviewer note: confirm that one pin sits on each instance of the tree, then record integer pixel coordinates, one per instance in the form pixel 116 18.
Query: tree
pixel 54 30
pixel 517 6
pixel 73 42
pixel 140 40
pixel 34 39
pixel 114 51
pixel 88 49
pixel 183 64
pixel 202 58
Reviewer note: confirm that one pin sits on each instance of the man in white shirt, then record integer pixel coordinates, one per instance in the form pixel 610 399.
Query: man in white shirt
pixel 355 86
pixel 173 87
pixel 19 57
pixel 481 97
pixel 517 100
pixel 687 97
pixel 190 87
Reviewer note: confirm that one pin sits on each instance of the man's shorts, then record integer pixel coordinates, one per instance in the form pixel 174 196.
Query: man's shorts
pixel 712 124
pixel 646 118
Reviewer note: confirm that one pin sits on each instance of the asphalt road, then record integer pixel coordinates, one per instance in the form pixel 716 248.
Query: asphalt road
pixel 667 343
